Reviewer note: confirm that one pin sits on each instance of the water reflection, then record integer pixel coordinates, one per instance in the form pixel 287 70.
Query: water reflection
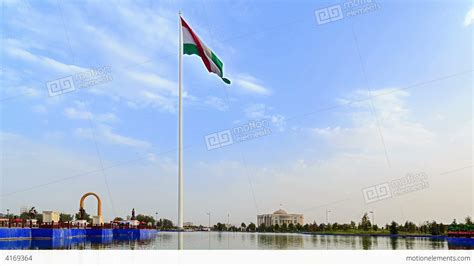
pixel 242 240
pixel 366 242
pixel 409 243
pixel 394 242
pixel 269 241
pixel 180 241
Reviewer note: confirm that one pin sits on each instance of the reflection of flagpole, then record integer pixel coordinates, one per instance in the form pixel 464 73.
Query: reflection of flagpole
pixel 180 131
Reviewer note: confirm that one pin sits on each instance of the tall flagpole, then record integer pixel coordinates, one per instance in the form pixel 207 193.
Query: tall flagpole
pixel 180 132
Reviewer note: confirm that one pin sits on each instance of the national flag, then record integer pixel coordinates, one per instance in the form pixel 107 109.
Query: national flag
pixel 193 45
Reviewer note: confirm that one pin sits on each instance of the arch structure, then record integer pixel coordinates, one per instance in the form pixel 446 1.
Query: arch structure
pixel 99 204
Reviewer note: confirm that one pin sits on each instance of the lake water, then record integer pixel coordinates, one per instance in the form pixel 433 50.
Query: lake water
pixel 238 240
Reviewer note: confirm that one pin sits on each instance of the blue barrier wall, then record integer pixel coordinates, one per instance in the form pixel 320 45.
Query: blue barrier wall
pixel 55 233
pixel 75 232
pixel 134 233
pixel 49 233
pixel 100 232
pixel 15 233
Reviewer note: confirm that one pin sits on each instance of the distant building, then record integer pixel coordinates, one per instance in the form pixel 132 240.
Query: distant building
pixel 130 222
pixel 188 224
pixel 280 217
pixel 50 216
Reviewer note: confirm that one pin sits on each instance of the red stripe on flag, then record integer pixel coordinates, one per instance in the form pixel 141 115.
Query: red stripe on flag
pixel 198 44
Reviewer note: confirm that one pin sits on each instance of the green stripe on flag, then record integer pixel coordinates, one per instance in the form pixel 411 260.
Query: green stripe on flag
pixel 217 62
pixel 190 49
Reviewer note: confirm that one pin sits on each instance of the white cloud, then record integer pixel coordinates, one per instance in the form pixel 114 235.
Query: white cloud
pixel 216 103
pixel 44 61
pixel 107 117
pixel 396 127
pixel 255 111
pixel 469 17
pixel 155 82
pixel 261 111
pixel 73 113
pixel 156 100
pixel 250 84
pixel 115 138
pixel 105 134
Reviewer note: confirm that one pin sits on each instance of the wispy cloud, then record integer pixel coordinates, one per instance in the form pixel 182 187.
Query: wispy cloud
pixel 73 113
pixel 45 62
pixel 155 82
pixel 395 124
pixel 105 134
pixel 250 84
pixel 469 17
pixel 216 103
pixel 262 111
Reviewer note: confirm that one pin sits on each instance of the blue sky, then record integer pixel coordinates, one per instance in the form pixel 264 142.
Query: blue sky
pixel 352 104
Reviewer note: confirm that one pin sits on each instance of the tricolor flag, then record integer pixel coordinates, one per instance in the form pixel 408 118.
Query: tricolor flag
pixel 193 45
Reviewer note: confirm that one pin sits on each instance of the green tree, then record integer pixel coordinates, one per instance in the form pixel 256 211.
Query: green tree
pixel 251 227
pixel 329 227
pixel 284 228
pixel 306 228
pixel 291 227
pixel 353 225
pixel 434 228
pixel 39 217
pixel 393 228
pixel 118 219
pixel 261 227
pixel 270 228
pixel 442 228
pixel 322 227
pixel 276 228
pixel 220 227
pixel 24 216
pixel 64 217
pixel 409 227
pixel 365 222
pixel 165 224
pixel 299 227
pixel 468 220
pixel 145 219
pixel 243 225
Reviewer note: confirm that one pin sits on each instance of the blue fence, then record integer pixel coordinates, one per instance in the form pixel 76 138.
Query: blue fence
pixel 66 233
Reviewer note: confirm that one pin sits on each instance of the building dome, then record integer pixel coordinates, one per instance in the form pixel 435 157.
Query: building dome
pixel 280 211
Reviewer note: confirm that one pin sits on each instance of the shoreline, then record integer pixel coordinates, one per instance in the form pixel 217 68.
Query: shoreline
pixel 440 237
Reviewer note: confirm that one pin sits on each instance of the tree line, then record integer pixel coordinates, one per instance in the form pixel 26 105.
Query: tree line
pixel 364 226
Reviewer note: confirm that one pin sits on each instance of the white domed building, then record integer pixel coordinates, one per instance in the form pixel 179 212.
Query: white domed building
pixel 280 217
